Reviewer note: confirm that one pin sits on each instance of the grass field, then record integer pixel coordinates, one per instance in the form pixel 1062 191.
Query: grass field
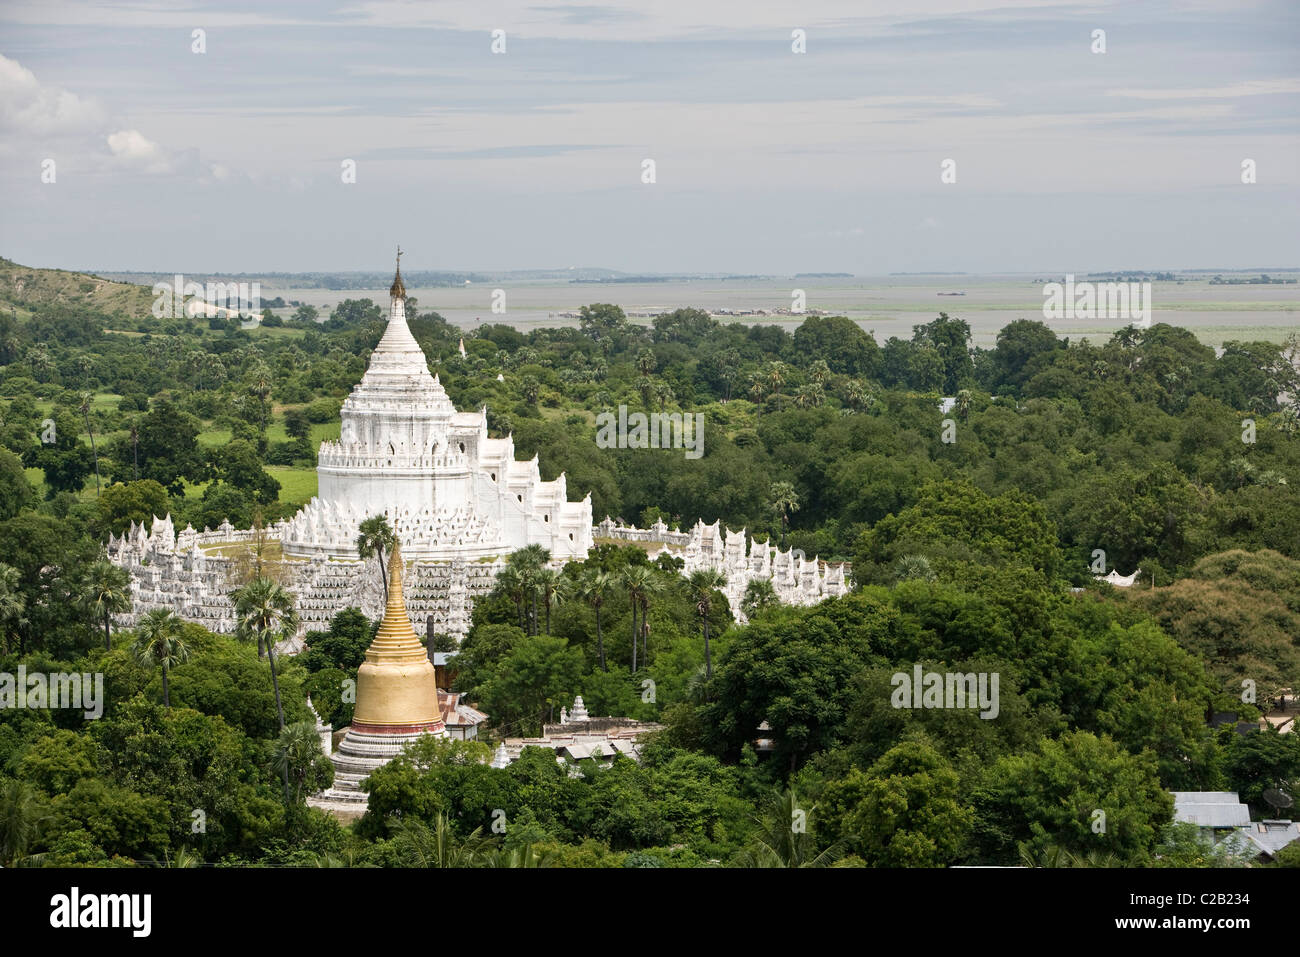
pixel 296 484
pixel 214 438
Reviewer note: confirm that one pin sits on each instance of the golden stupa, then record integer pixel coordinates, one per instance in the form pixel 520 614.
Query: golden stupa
pixel 397 691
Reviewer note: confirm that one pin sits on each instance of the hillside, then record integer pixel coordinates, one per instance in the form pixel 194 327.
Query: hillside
pixel 25 287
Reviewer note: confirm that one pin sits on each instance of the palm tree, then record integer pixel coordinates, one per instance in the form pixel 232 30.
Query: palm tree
pixel 963 404
pixel 855 394
pixel 914 568
pixel 109 594
pixel 1054 855
pixel 526 855
pixel 784 836
pixel 809 394
pixel 84 408
pixel 266 614
pixel 184 858
pixel 784 501
pixel 759 596
pixel 703 583
pixel 260 383
pixel 511 581
pixel 375 537
pixel 641 583
pixel 299 758
pixel 158 643
pixel 135 450
pixel 528 562
pixel 593 586
pixel 775 375
pixel 728 369
pixel 554 589
pixel 20 819
pixel 13 606
pixel 437 846
pixel 635 578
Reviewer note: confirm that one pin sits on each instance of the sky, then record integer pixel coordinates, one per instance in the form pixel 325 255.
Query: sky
pixel 766 160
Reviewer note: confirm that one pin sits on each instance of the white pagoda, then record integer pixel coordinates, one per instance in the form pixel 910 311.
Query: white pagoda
pixel 448 490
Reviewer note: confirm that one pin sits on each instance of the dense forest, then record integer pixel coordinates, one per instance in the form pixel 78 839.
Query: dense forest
pixel 975 536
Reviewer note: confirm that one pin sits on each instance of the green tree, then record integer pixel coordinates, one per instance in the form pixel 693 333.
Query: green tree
pixel 703 583
pixel 16 493
pixel 593 588
pixel 299 759
pixel 21 813
pixel 13 605
pixel 239 464
pixel 554 589
pixel 784 835
pixel 158 644
pixel 641 583
pixel 64 459
pixel 602 322
pixel 526 686
pixel 955 522
pixel 297 425
pixel 420 845
pixel 375 537
pixel 760 595
pixel 266 614
pixel 121 504
pixel 109 594
pixel 85 400
pixel 1080 792
pixel 783 500
pixel 905 812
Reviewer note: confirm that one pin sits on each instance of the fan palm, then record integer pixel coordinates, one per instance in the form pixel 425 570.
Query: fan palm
pixel 83 406
pixel 783 500
pixel 266 614
pixel 641 583
pixel 299 758
pixel 593 586
pixel 13 606
pixel 109 594
pixel 511 581
pixel 703 583
pixel 158 644
pixel 554 589
pixel 528 562
pixel 375 537
pixel 20 819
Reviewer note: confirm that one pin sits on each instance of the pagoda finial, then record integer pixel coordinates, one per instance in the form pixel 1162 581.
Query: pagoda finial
pixel 395 569
pixel 398 289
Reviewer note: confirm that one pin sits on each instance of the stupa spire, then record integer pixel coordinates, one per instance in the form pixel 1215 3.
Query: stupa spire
pixel 398 289
pixel 396 641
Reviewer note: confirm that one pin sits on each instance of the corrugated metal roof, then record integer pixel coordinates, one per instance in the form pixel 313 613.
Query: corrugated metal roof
pixel 1271 836
pixel 1210 808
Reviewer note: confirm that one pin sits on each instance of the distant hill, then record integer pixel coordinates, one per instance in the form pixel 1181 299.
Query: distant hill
pixel 26 287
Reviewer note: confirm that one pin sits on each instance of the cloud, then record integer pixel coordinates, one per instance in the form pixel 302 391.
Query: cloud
pixel 1232 92
pixel 30 108
pixel 132 147
pixel 32 114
